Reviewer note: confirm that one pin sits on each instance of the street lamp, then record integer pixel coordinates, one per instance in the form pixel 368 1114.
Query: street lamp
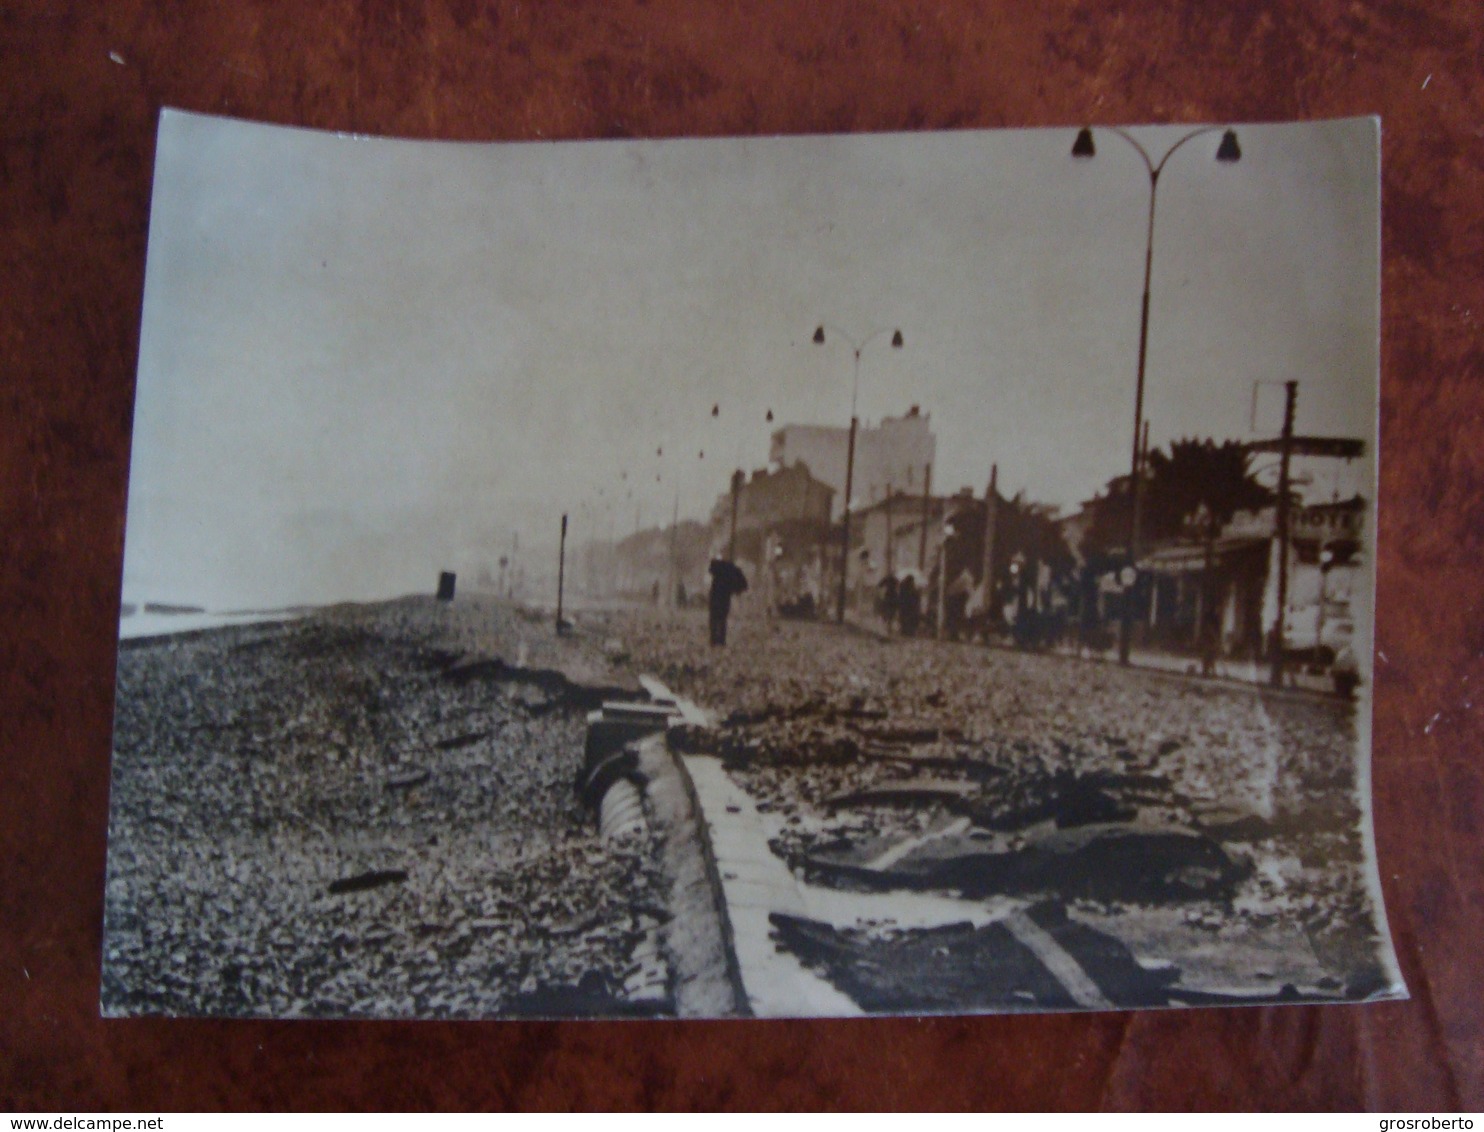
pixel 1326 564
pixel 1084 149
pixel 949 531
pixel 856 347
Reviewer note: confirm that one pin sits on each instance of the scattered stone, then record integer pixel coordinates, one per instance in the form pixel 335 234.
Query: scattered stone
pixel 574 925
pixel 251 777
pixel 407 779
pixel 362 881
pixel 459 741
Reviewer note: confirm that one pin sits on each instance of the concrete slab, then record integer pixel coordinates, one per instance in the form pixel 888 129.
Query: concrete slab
pixel 687 710
pixel 756 885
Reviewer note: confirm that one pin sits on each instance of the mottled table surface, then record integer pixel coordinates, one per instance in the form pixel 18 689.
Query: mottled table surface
pixel 80 88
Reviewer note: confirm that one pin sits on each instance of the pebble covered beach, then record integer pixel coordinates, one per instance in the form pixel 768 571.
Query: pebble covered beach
pixel 327 818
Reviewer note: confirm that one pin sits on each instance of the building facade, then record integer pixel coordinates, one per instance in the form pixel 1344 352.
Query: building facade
pixel 893 456
pixel 1230 583
pixel 770 498
pixel 903 532
pixel 783 534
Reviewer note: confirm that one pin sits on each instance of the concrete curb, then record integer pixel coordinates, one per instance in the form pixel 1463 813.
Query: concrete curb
pixel 1224 680
pixel 637 784
pixel 713 878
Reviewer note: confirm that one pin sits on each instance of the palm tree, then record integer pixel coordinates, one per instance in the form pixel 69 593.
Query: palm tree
pixel 1197 489
pixel 1201 477
pixel 1026 537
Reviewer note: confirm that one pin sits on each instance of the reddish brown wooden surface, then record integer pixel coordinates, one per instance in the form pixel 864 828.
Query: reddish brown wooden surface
pixel 77 127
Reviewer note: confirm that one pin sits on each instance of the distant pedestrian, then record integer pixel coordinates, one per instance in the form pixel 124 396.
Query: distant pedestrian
pixel 1210 640
pixel 887 605
pixel 909 608
pixel 955 613
pixel 727 581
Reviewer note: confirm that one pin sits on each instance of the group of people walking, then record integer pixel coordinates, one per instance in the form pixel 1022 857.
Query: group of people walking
pixel 899 604
pixel 900 600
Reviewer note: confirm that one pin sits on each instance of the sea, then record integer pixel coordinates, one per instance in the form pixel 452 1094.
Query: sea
pixel 149 623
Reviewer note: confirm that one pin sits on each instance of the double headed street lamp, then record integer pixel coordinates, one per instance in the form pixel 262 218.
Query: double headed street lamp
pixel 1227 152
pixel 857 347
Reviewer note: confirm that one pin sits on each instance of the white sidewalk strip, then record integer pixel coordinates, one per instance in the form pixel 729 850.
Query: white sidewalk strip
pixel 902 848
pixel 755 884
pixel 1054 958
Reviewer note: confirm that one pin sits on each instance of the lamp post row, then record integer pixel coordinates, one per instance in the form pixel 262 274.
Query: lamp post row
pixel 856 348
pixel 1083 148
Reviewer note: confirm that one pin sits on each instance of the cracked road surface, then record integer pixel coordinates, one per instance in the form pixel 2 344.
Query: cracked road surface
pixel 1085 835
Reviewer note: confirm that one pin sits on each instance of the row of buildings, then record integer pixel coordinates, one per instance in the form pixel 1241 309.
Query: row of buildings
pixel 1211 586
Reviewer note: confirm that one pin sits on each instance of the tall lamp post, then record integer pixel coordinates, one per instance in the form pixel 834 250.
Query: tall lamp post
pixel 856 347
pixel 1227 152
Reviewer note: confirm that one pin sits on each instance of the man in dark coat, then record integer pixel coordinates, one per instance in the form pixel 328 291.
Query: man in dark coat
pixel 727 580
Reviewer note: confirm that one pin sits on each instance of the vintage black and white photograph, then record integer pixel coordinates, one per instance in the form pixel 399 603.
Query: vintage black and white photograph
pixel 791 576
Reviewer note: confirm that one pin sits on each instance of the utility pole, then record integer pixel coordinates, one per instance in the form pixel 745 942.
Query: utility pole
pixel 610 554
pixel 942 581
pixel 737 478
pixel 891 554
pixel 991 521
pixel 927 502
pixel 561 575
pixel 1290 398
pixel 1136 487
pixel 845 514
pixel 674 532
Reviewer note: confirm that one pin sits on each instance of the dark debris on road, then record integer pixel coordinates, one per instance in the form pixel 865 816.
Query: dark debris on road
pixel 1204 822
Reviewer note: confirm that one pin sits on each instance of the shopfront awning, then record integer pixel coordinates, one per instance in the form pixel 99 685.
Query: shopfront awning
pixel 1189 558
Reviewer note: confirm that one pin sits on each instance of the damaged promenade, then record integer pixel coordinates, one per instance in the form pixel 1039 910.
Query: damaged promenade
pixel 371 812
pixel 964 828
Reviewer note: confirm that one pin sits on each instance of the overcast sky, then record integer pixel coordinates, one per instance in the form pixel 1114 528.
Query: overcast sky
pixel 363 360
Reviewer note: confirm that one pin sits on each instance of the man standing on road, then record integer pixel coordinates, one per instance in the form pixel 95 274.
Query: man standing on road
pixel 727 580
